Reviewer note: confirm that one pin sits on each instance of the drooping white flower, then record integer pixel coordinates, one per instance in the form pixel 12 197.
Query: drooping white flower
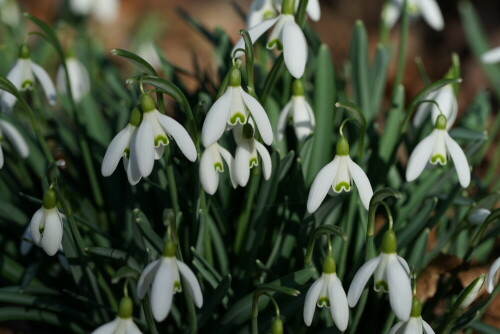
pixel 491 56
pixel 120 147
pixel 391 275
pixel 46 224
pixel 105 11
pixel 429 9
pixel 211 164
pixel 313 9
pixel 123 323
pixel 78 77
pixel 153 135
pixel 163 275
pixel 234 107
pixel 338 176
pixel 247 154
pixel 286 35
pixel 22 75
pixel 415 325
pixel 434 149
pixel 17 141
pixel 327 291
pixel 448 105
pixel 259 11
pixel 491 279
pixel 301 113
pixel 10 13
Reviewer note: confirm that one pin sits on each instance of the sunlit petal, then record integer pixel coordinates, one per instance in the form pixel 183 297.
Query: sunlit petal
pixel 311 299
pixel 215 122
pixel 162 292
pixel 144 146
pixel 492 56
pixel 260 117
pixel 362 183
pixel 254 32
pixel 338 301
pixel 460 161
pixel 360 279
pixel 420 156
pixel 265 160
pixel 321 184
pixel 15 138
pixel 46 82
pixel 180 135
pixel 294 49
pixel 400 293
pixel 191 283
pixel 116 150
pixel 432 14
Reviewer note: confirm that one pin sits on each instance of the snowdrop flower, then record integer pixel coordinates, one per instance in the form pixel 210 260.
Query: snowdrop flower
pixel 491 56
pixel 313 9
pixel 247 154
pixel 22 75
pixel 286 35
pixel 105 11
pixel 260 10
pixel 153 135
pixel 234 107
pixel 9 12
pixel 415 325
pixel 120 147
pixel 391 275
pixel 446 100
pixel 46 224
pixel 327 291
pixel 299 110
pixel 78 78
pixel 123 323
pixel 429 9
pixel 492 275
pixel 163 274
pixel 15 138
pixel 211 164
pixel 338 176
pixel 434 149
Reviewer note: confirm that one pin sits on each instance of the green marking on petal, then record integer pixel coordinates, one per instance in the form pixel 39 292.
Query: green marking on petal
pixel 27 85
pixel 268 14
pixel 41 229
pixel 253 162
pixel 413 9
pixel 381 286
pixel 438 158
pixel 219 167
pixel 177 286
pixel 323 301
pixel 126 151
pixel 275 43
pixel 237 117
pixel 342 186
pixel 161 139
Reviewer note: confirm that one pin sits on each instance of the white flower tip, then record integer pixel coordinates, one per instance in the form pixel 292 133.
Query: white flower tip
pixel 114 52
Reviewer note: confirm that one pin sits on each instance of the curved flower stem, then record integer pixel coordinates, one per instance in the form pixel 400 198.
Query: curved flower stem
pixel 328 231
pixel 249 58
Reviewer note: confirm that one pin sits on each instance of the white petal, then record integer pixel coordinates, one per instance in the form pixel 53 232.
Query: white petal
pixel 116 150
pixel 52 233
pixel 179 134
pixel 230 163
pixel 396 327
pixel 303 118
pixel 460 161
pixel 61 80
pixel 106 11
pixel 403 262
pixel 265 160
pixel 313 10
pixel 414 326
pixel 391 12
pixel 478 216
pixel 46 82
pixel 362 183
pixel 15 138
pixel 35 225
pixel 26 245
pixel 81 7
pixel 131 165
pixel 242 164
pixel 427 328
pixel 422 113
pixel 432 14
pixel 260 117
pixel 283 120
pixel 255 33
pixel 144 146
pixel 448 104
pixel 311 300
pixel 162 292
pixel 492 56
pixel 15 76
pixel 420 156
pixel 492 275
pixel 338 303
pixel 108 328
pixel 400 293
pixel 294 49
pixel 215 122
pixel 132 327
pixel 147 276
pixel 191 283
pixel 360 279
pixel 321 184
pixel 209 177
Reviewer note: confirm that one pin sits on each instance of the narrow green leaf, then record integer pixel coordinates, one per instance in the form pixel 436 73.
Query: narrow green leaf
pixel 358 55
pixel 390 135
pixel 378 76
pixel 136 60
pixel 213 300
pixel 22 313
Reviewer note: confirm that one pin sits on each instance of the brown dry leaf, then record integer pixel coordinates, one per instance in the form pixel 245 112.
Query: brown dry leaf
pixel 428 279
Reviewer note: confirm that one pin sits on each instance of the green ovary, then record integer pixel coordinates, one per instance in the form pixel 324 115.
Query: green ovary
pixel 342 186
pixel 438 158
pixel 323 301
pixel 237 117
pixel 161 139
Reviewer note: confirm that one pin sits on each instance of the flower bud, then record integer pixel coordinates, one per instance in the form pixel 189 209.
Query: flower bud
pixel 277 326
pixel 471 292
pixel 49 199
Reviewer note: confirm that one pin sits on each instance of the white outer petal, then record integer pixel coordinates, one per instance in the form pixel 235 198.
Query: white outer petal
pixel 322 184
pixel 26 245
pixel 360 279
pixel 162 292
pixel 400 293
pixel 15 138
pixel 414 326
pixel 492 274
pixel 52 233
pixel 283 120
pixel 259 115
pixel 230 163
pixel 491 56
pixel 396 327
pixel 241 164
pixel 294 49
pixel 362 183
pixel 35 222
pixel 427 329
pixel 338 303
pixel 313 10
pixel 144 145
pixel 265 160
pixel 46 82
pixel 81 7
pixel 116 150
pixel 424 109
pixel 420 157
pixel 131 165
pixel 311 300
pixel 449 106
pixel 179 134
pixel 403 262
pixel 303 118
pixel 192 284
pixel 254 32
pixel 132 327
pixel 147 276
pixel 432 14
pixel 216 119
pixel 15 76
pixel 1 157
pixel 209 177
pixel 460 161
pixel 107 328
pixel 392 12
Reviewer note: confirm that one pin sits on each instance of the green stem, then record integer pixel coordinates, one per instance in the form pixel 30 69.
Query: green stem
pixel 403 42
pixel 149 315
pixel 241 226
pixel 37 130
pixel 172 188
pixel 271 78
